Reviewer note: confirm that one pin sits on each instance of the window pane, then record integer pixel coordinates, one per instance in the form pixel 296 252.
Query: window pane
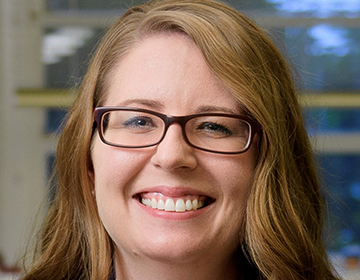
pixel 54 119
pixel 50 164
pixel 326 56
pixel 342 178
pixel 55 5
pixel 65 54
pixel 316 8
pixel 325 120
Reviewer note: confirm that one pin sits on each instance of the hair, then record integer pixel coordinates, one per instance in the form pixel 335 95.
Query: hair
pixel 284 216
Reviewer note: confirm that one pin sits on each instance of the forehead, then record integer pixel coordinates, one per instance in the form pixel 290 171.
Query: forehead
pixel 168 69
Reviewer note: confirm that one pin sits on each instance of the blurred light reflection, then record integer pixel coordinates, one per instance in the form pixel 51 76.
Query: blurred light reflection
pixel 64 42
pixel 329 40
pixel 318 8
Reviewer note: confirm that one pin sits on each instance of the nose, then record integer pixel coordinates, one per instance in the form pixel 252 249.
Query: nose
pixel 173 152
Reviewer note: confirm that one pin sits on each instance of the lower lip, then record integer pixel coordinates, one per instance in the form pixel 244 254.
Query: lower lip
pixel 173 215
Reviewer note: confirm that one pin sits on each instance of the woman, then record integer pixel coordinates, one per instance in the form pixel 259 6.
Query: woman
pixel 184 156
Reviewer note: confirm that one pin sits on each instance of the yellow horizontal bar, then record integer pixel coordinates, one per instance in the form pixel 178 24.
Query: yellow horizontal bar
pixel 330 100
pixel 65 97
pixel 62 98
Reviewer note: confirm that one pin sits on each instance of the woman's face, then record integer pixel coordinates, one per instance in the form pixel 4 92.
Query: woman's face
pixel 168 74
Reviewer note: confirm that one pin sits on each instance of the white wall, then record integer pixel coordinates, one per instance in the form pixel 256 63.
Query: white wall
pixel 22 145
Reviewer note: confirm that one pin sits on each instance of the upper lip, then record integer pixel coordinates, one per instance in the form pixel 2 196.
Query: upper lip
pixel 174 191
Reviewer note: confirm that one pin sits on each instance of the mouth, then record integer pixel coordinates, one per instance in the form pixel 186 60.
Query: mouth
pixel 185 203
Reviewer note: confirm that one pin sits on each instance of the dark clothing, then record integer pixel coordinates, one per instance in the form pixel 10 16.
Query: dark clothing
pixel 112 274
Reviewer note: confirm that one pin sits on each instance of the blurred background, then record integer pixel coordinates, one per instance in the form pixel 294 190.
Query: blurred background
pixel 45 46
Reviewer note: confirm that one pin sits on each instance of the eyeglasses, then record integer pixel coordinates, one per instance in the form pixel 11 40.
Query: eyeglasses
pixel 140 128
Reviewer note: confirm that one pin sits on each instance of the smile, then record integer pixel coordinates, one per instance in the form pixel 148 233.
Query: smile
pixel 160 202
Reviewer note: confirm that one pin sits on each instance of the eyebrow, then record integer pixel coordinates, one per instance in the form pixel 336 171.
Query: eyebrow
pixel 158 106
pixel 210 108
pixel 151 104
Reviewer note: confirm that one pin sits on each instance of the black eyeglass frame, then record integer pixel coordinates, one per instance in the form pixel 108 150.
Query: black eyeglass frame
pixel 169 120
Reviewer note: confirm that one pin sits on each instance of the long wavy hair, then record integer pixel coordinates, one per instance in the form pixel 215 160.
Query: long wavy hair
pixel 284 216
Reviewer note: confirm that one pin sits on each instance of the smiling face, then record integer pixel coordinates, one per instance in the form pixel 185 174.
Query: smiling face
pixel 168 74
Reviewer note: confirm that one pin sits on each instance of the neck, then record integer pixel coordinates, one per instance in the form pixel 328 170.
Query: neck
pixel 134 266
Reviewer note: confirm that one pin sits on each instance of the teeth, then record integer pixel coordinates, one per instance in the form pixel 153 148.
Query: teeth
pixel 195 204
pixel 180 205
pixel 189 205
pixel 154 203
pixel 161 204
pixel 170 206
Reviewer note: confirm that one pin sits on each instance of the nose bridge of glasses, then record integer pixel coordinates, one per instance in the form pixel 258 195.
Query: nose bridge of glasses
pixel 170 120
pixel 174 119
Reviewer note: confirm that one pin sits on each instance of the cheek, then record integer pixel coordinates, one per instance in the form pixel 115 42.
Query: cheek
pixel 234 179
pixel 234 175
pixel 236 186
pixel 114 168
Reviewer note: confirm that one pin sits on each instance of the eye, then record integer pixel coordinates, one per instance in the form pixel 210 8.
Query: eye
pixel 139 123
pixel 214 129
pixel 218 127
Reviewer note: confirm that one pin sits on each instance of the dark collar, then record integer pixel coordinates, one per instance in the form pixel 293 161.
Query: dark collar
pixel 112 274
